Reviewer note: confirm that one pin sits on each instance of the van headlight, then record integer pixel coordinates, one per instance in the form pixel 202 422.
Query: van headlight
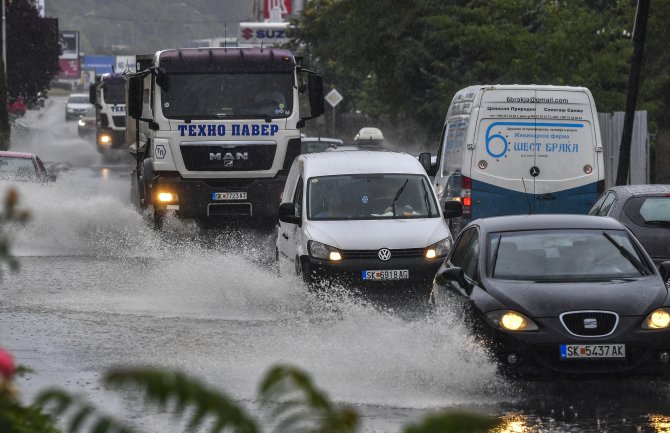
pixel 438 249
pixel 323 251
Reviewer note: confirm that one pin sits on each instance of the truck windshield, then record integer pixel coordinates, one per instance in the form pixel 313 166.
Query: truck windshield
pixel 248 95
pixel 114 92
pixel 370 197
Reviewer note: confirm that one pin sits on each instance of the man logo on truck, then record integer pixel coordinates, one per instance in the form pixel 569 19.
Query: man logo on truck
pixel 228 158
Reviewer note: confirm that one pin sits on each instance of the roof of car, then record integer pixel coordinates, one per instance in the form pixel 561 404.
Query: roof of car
pixel 318 139
pixel 8 154
pixel 637 190
pixel 547 222
pixel 359 162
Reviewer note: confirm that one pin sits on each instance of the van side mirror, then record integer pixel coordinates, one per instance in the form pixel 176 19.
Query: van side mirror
pixel 456 274
pixel 664 269
pixel 287 214
pixel 426 163
pixel 91 94
pixel 452 209
pixel 134 90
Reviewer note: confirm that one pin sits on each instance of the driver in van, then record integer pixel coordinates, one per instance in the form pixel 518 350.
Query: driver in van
pixel 333 206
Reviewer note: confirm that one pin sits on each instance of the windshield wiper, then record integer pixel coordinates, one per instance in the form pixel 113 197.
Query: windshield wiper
pixel 628 255
pixel 397 195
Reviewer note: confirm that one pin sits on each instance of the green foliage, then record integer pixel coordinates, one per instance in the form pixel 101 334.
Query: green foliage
pixel 17 418
pixel 294 404
pixel 32 50
pixel 402 62
pixel 10 216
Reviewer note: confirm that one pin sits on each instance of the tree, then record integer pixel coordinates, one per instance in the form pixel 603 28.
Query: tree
pixel 32 50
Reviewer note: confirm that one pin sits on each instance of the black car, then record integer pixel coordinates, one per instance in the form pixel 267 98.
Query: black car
pixel 645 210
pixel 559 294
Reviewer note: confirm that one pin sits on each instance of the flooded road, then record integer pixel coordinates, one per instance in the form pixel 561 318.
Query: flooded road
pixel 98 287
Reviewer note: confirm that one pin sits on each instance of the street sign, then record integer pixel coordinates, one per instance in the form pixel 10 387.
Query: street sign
pixel 333 98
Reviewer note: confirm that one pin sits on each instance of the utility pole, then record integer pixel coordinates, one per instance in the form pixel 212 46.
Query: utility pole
pixel 639 35
pixel 4 38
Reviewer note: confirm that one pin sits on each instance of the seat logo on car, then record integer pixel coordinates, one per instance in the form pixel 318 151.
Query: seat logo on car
pixel 384 254
pixel 590 323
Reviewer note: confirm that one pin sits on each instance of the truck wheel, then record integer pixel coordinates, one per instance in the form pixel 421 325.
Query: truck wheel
pixel 145 180
pixel 135 192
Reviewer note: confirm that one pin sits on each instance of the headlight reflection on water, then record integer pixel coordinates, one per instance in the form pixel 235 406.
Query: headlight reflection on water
pixel 514 423
pixel 659 423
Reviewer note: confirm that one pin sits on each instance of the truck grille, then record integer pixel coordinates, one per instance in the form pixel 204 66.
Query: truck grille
pixel 589 323
pixel 228 157
pixel 119 121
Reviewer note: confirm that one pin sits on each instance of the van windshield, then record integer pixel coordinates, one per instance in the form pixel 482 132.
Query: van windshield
pixel 370 196
pixel 551 255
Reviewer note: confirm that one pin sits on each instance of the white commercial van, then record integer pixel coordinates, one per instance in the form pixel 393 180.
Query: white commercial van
pixel 518 149
pixel 365 217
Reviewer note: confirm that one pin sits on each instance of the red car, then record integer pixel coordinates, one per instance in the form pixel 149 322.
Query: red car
pixel 20 166
pixel 17 108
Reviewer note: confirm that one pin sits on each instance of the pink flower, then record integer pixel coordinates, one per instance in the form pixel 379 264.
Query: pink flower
pixel 7 367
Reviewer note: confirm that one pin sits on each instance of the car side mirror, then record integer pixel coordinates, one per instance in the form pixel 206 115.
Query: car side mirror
pixel 425 160
pixel 287 214
pixel 456 274
pixel 452 209
pixel 664 269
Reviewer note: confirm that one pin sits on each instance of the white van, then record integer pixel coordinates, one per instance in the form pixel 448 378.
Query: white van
pixel 518 149
pixel 367 217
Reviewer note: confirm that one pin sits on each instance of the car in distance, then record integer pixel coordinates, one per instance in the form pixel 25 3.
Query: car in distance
pixel 565 294
pixel 86 126
pixel 23 167
pixel 77 105
pixel 368 219
pixel 644 210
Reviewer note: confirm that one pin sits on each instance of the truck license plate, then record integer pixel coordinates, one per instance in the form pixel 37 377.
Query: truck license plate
pixel 229 196
pixel 580 351
pixel 385 275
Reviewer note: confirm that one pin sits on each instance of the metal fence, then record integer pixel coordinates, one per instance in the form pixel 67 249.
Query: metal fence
pixel 611 129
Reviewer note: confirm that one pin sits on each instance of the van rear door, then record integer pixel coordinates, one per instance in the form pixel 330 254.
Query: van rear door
pixel 534 152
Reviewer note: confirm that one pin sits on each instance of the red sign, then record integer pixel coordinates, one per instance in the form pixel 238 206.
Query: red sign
pixel 69 68
pixel 284 5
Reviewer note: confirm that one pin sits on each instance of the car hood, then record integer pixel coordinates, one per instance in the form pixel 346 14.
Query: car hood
pixel 627 298
pixel 375 234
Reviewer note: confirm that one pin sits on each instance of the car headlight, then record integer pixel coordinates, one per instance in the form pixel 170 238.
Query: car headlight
pixel 658 319
pixel 323 251
pixel 81 122
pixel 438 249
pixel 509 320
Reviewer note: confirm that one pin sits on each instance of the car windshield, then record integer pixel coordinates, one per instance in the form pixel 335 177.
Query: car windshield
pixel 17 169
pixel 78 100
pixel 649 211
pixel 193 96
pixel 564 255
pixel 318 146
pixel 370 196
pixel 114 92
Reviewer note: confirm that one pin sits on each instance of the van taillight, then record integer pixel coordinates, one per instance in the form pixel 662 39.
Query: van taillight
pixel 600 186
pixel 466 195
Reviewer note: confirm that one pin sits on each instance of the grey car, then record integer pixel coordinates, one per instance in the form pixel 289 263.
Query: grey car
pixel 645 211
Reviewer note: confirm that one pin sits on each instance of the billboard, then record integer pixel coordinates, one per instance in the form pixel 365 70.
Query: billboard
pixel 100 64
pixel 265 34
pixel 69 68
pixel 125 63
pixel 284 5
pixel 69 45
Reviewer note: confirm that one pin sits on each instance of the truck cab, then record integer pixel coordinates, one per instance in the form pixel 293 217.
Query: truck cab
pixel 108 97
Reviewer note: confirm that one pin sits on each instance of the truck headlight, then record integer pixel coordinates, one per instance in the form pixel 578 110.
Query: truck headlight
pixel 509 320
pixel 658 319
pixel 81 123
pixel 167 197
pixel 438 249
pixel 323 251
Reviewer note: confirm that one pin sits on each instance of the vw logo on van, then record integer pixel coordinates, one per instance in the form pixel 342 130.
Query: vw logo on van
pixel 384 254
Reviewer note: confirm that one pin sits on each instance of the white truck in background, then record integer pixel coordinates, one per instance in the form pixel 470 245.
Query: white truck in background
pixel 214 130
pixel 108 97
